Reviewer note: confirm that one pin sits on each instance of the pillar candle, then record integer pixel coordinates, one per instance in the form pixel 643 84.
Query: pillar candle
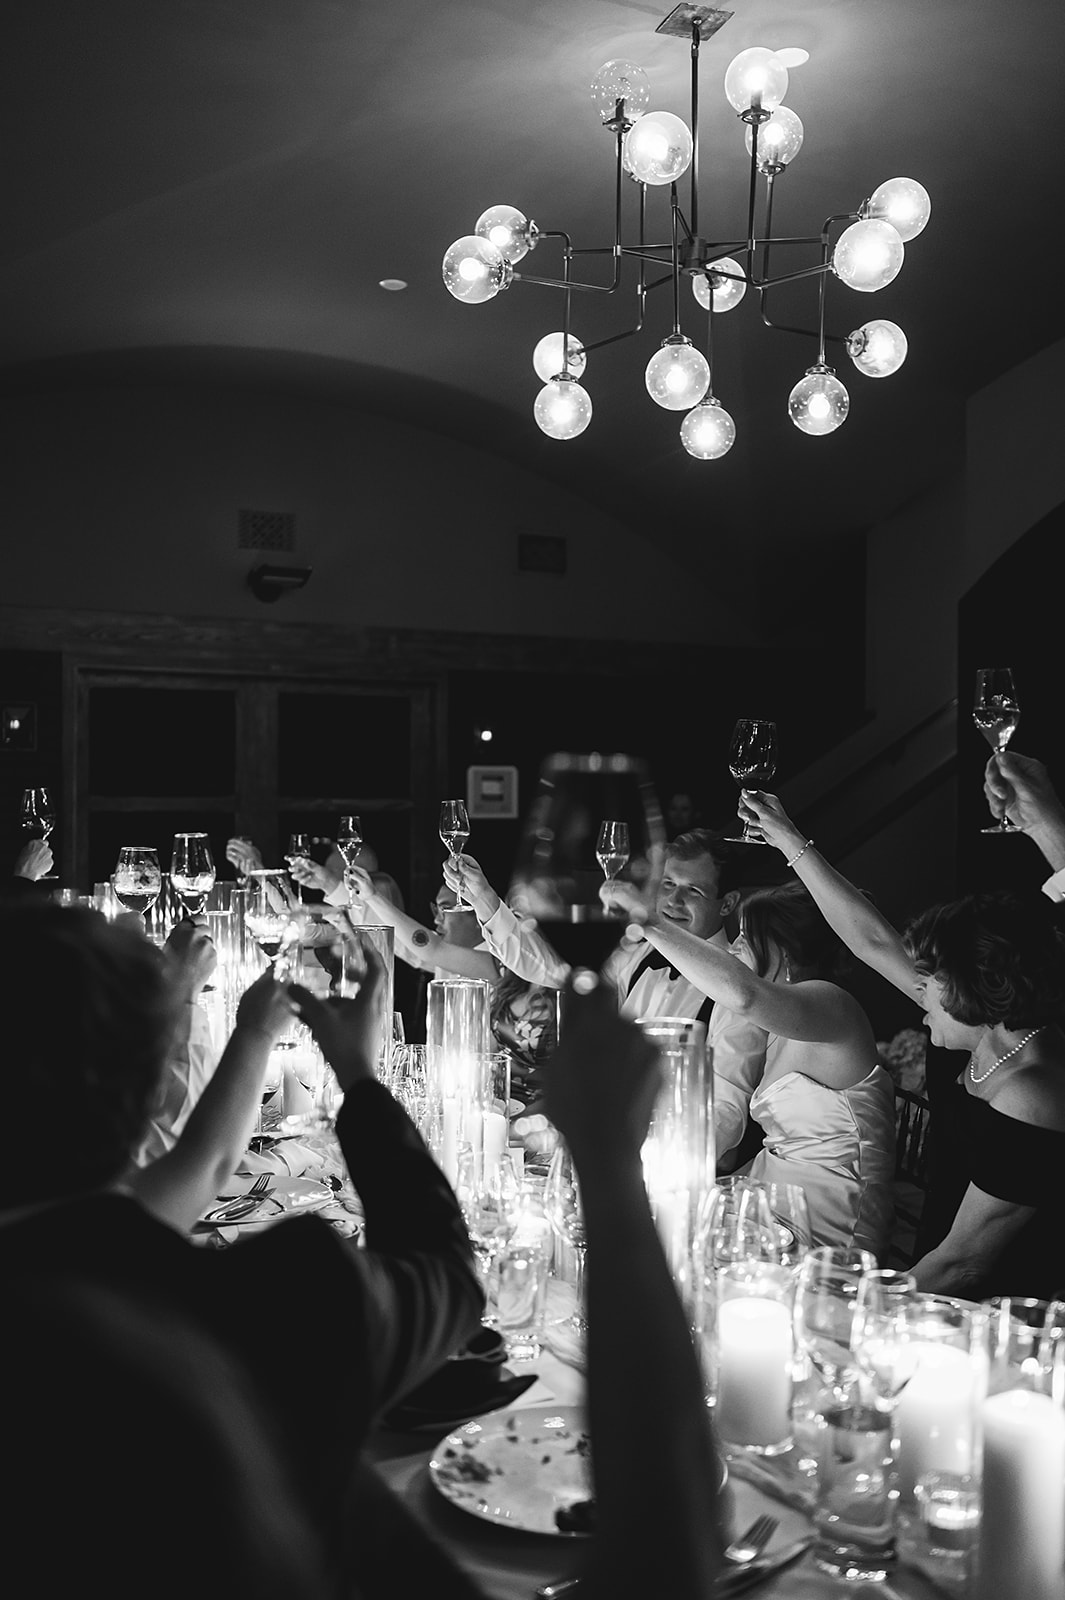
pixel 936 1415
pixel 449 1139
pixel 495 1140
pixel 1022 1532
pixel 754 1371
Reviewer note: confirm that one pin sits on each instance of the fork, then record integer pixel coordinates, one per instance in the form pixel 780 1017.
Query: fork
pixel 246 1203
pixel 751 1543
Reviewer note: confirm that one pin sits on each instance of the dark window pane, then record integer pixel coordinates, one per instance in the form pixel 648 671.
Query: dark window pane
pixel 161 741
pixel 336 745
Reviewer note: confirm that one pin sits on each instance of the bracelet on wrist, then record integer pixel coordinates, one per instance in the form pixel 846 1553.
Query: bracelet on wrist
pixel 798 853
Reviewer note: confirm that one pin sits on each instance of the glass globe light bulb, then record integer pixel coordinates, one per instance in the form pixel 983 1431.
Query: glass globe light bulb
pixel 708 432
pixel 868 255
pixel 877 348
pixel 756 78
pixel 658 148
pixel 509 230
pixel 818 403
pixel 548 359
pixel 562 408
pixel 622 90
pixel 728 292
pixel 904 203
pixel 677 375
pixel 779 140
pixel 474 270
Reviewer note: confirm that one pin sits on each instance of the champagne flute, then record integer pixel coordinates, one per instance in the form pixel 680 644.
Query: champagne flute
pixel 454 832
pixel 137 880
pixel 489 1199
pixel 752 760
pixel 38 812
pixel 299 849
pixel 612 848
pixel 349 843
pixel 996 712
pixel 192 871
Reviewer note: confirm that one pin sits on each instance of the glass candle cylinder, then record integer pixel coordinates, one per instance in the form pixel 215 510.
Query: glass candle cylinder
pixel 936 1419
pixel 754 1356
pixel 678 1155
pixel 457 1045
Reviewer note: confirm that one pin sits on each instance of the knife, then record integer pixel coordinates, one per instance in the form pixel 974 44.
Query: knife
pixel 729 1583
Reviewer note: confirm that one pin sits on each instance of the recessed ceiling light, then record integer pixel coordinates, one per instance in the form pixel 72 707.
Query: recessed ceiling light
pixel 792 56
pixel 394 284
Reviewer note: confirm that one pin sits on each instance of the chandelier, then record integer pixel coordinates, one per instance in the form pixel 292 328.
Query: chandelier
pixel 862 249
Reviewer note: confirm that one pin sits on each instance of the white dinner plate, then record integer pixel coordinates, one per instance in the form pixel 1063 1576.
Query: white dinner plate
pixel 518 1468
pixel 287 1197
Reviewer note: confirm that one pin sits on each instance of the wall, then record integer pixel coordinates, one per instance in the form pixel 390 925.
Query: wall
pixel 126 499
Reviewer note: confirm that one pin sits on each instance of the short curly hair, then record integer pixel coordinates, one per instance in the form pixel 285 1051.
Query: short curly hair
pixel 98 1014
pixel 999 956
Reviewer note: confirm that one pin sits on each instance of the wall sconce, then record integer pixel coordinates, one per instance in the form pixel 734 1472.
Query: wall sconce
pixel 18 727
pixel 269 583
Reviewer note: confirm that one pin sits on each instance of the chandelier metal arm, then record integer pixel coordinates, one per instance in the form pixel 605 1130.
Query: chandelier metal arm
pixel 566 282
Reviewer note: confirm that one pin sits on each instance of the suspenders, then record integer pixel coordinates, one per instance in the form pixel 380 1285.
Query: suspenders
pixel 651 962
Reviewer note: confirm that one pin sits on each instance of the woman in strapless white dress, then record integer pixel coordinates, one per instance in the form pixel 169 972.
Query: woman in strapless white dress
pixel 825 1104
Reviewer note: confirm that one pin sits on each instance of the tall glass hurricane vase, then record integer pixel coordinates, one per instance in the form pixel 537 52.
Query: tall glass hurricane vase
pixel 678 1155
pixel 457 1045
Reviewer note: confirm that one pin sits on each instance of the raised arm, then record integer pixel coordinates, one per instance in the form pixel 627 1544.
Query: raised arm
pixel 516 943
pixel 178 1186
pixel 864 930
pixel 1018 786
pixel 658 1526
pixel 430 949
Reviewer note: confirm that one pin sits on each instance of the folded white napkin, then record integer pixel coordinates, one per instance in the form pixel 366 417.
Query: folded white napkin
pixel 290 1157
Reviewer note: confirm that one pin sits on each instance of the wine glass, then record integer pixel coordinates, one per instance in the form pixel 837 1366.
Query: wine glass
pixel 192 872
pixel 882 1334
pixel 752 760
pixel 612 848
pixel 299 849
pixel 563 1209
pixel 556 876
pixel 349 843
pixel 137 880
pixel 735 1223
pixel 825 1298
pixel 38 812
pixel 791 1215
pixel 489 1199
pixel 454 832
pixel 268 910
pixel 996 712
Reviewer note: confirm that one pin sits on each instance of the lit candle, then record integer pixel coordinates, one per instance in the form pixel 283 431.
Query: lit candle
pixel 935 1415
pixel 1022 1533
pixel 449 1139
pixel 495 1140
pixel 754 1371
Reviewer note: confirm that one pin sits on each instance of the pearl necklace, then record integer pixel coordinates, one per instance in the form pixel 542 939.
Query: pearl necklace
pixel 996 1064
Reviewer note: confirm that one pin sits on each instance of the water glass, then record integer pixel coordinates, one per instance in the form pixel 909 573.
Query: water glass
pixel 522 1270
pixel 854 1508
pixel 949 1504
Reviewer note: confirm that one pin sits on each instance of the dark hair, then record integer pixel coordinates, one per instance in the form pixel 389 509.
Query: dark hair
pixel 98 1013
pixel 999 957
pixel 708 842
pixel 787 916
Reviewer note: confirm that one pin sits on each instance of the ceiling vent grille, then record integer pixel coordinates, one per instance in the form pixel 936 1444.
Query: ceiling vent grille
pixel 267 530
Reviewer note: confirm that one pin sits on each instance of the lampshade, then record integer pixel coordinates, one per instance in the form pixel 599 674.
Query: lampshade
pixel 509 230
pixel 877 348
pixel 756 78
pixel 818 403
pixel 728 291
pixel 868 255
pixel 620 89
pixel 677 375
pixel 708 432
pixel 658 148
pixel 548 360
pixel 474 270
pixel 562 408
pixel 904 203
pixel 779 140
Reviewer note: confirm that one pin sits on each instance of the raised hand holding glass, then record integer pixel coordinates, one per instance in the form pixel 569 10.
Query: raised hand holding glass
pixel 454 833
pixel 752 760
pixel 37 812
pixel 612 848
pixel 996 713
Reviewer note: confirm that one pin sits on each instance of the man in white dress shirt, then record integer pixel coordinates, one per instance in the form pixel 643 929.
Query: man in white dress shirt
pixel 690 896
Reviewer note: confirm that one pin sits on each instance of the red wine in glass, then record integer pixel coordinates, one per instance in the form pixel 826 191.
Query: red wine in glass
pixel 752 760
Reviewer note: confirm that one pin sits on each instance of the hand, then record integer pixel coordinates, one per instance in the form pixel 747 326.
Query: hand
pixel 1018 785
pixel 313 875
pixel 765 812
pixel 190 955
pixel 465 878
pixel 34 860
pixel 266 1006
pixel 244 856
pixel 624 900
pixel 601 1084
pixel 348 1032
pixel 360 884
